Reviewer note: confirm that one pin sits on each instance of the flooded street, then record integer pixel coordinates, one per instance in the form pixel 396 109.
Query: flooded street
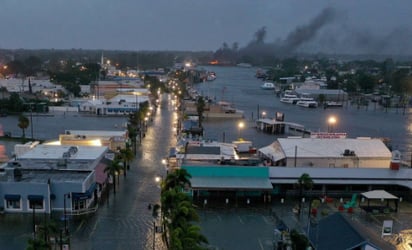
pixel 123 220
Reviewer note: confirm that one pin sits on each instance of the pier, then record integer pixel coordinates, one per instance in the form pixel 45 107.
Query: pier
pixel 273 126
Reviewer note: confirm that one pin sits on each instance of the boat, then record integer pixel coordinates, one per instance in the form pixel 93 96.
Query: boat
pixel 289 97
pixel 333 104
pixel 307 101
pixel 211 76
pixel 267 86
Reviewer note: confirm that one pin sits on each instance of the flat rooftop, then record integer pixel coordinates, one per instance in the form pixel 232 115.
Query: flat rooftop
pixel 42 176
pixel 56 152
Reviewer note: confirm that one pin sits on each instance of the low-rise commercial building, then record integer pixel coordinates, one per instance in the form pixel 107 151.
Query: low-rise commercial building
pixel 48 178
pixel 328 153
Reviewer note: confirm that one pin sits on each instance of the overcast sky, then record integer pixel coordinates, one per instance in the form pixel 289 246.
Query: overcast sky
pixel 201 24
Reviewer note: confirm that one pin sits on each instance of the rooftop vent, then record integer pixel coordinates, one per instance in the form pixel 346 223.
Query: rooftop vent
pixel 348 152
pixel 73 150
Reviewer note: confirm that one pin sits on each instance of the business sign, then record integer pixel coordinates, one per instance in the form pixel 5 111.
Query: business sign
pixel 326 135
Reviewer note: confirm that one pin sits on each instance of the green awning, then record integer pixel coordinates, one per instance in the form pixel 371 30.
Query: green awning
pixel 230 183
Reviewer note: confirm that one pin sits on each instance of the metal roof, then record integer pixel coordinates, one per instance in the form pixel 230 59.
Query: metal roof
pixel 379 194
pixel 326 175
pixel 332 147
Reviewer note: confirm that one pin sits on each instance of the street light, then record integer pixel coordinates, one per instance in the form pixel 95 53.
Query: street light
pixel 65 196
pixel 331 122
pixel 241 125
pixel 159 180
pixel 263 114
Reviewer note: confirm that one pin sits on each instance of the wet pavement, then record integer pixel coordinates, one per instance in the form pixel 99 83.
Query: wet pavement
pixel 123 220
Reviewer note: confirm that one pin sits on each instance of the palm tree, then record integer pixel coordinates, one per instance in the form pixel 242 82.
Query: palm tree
pixel 23 124
pixel 178 213
pixel 113 169
pixel 188 237
pixel 177 179
pixel 304 182
pixel 126 155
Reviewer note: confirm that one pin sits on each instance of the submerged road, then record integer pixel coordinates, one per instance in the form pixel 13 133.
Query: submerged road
pixel 124 220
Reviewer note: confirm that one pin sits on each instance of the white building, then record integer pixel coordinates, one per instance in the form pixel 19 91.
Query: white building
pixel 121 104
pixel 113 139
pixel 328 153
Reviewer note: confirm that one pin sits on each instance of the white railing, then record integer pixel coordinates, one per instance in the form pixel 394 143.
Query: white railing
pixel 89 210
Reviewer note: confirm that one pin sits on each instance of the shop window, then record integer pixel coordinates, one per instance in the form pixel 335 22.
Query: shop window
pixel 80 204
pixel 36 204
pixel 13 204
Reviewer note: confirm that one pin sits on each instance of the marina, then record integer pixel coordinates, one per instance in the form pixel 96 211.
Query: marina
pixel 355 121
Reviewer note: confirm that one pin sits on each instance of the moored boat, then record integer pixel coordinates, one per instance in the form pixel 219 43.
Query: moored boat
pixel 289 97
pixel 333 104
pixel 267 86
pixel 307 103
pixel 211 76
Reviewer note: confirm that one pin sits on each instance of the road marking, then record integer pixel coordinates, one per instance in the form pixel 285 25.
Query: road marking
pixel 260 244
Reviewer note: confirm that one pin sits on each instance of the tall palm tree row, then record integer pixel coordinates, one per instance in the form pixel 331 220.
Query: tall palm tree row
pixel 179 214
pixel 135 123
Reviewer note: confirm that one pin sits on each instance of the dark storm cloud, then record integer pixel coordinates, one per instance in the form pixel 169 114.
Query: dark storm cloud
pixel 198 25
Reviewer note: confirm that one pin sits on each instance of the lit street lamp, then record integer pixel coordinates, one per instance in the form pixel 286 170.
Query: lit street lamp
pixel 263 114
pixel 241 125
pixel 331 123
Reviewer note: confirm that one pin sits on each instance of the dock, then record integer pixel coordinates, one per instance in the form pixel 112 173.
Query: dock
pixel 273 126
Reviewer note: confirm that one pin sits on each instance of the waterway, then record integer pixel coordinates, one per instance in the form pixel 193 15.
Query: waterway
pixel 240 87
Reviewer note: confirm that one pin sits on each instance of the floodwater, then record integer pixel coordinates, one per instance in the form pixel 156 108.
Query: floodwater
pixel 123 220
pixel 240 87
